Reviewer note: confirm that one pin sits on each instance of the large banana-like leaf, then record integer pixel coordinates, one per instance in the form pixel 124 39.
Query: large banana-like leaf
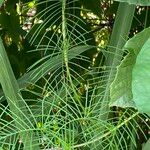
pixel 141 79
pixel 121 88
pixel 136 2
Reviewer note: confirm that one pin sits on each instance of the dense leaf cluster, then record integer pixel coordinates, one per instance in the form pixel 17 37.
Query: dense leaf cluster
pixel 74 74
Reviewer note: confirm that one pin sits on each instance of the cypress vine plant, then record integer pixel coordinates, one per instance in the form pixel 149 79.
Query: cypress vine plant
pixel 62 102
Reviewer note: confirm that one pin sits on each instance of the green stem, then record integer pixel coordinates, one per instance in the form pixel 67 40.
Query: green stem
pixel 119 36
pixel 15 101
pixel 65 52
pixel 118 39
pixel 146 17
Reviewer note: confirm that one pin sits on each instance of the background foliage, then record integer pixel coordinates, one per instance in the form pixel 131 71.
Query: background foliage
pixel 74 74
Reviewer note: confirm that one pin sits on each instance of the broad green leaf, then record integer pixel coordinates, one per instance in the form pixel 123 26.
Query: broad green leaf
pixel 141 79
pixel 8 81
pixel 121 88
pixel 136 2
pixel 146 145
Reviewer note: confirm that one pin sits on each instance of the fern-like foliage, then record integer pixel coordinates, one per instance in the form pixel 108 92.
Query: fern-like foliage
pixel 65 91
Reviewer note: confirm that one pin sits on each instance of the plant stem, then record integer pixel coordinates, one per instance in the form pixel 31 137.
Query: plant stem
pixel 146 17
pixel 65 52
pixel 118 39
